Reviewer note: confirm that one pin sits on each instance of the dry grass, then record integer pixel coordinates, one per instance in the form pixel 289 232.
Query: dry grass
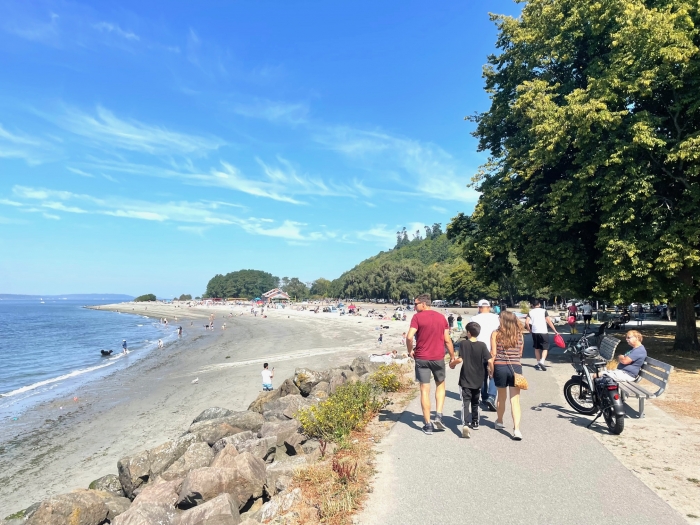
pixel 683 394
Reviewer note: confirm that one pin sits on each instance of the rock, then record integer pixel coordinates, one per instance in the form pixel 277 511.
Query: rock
pixel 279 474
pixel 264 397
pixel 117 505
pixel 148 514
pixel 294 443
pixel 260 448
pixel 365 377
pixel 250 521
pixel 21 516
pixel 225 458
pixel 159 492
pixel 282 430
pixel 288 388
pixel 222 510
pixel 274 415
pixel 197 455
pixel 279 504
pixel 245 420
pixel 245 480
pixel 350 376
pixel 234 440
pixel 323 386
pixel 362 365
pixel 305 379
pixel 289 405
pixel 136 470
pixel 337 379
pixel 109 483
pixel 81 507
pixel 213 430
pixel 212 413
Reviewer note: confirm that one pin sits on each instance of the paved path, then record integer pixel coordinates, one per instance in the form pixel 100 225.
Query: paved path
pixel 559 474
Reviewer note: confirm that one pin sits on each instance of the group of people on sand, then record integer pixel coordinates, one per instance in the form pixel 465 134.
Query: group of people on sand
pixel 490 355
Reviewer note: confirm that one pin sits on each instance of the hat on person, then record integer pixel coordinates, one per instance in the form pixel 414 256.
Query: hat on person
pixel 484 302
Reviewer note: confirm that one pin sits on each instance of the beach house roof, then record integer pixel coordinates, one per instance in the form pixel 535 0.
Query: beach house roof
pixel 275 295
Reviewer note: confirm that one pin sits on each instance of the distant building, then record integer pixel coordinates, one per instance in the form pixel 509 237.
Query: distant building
pixel 275 296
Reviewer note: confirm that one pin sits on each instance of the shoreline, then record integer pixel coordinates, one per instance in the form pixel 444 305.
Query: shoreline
pixel 152 400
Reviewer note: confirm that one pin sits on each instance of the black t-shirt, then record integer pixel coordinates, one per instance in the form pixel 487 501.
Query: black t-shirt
pixel 474 355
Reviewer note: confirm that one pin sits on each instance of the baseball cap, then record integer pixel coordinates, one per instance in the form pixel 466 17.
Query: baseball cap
pixel 484 302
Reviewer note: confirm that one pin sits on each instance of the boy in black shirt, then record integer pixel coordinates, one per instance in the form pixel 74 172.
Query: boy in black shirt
pixel 472 354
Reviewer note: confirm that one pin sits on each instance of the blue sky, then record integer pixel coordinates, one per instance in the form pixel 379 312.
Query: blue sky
pixel 145 147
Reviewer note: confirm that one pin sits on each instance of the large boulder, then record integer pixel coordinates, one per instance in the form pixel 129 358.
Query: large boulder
pixel 288 388
pixel 159 492
pixel 279 504
pixel 294 444
pixel 362 365
pixel 279 474
pixel 197 455
pixel 109 483
pixel 282 430
pixel 245 420
pixel 306 379
pixel 234 440
pixel 244 480
pixel 80 507
pixel 137 469
pixel 323 387
pixel 222 510
pixel 212 413
pixel 350 376
pixel 148 514
pixel 225 458
pixel 261 448
pixel 213 430
pixel 264 397
pixel 288 406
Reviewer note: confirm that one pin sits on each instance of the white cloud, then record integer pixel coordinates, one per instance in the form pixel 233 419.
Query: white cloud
pixel 380 234
pixel 107 27
pixel 51 216
pixel 108 130
pixel 59 206
pixel 18 145
pixel 274 111
pixel 79 172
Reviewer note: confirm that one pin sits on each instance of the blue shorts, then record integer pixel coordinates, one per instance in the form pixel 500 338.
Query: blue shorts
pixel 267 387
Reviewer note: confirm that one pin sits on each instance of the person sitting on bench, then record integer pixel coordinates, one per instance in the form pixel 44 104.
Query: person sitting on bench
pixel 632 361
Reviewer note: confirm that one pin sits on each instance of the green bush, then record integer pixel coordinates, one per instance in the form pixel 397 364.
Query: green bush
pixel 349 408
pixel 146 297
pixel 524 307
pixel 388 378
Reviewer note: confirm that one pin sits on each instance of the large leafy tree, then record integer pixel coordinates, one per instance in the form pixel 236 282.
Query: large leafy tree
pixel 296 289
pixel 594 139
pixel 243 283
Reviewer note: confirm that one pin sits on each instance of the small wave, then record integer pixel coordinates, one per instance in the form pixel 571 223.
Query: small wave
pixel 56 379
pixel 139 325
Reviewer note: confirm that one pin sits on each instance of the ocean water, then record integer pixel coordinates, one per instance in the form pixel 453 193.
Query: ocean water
pixel 48 350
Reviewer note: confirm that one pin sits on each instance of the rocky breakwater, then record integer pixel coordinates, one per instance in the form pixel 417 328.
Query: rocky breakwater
pixel 227 468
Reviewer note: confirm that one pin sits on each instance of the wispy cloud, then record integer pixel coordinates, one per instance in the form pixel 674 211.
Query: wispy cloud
pixel 107 130
pixel 79 172
pixel 107 27
pixel 380 234
pixel 32 150
pixel 274 111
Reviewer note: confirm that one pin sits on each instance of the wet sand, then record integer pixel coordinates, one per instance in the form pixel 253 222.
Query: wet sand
pixel 54 451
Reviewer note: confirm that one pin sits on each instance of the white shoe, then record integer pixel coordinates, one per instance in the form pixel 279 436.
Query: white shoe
pixel 517 435
pixel 500 426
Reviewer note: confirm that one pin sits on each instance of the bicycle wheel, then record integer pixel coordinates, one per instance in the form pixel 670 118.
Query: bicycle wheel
pixel 579 396
pixel 615 424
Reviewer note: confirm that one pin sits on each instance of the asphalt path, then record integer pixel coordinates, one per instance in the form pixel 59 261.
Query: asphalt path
pixel 558 474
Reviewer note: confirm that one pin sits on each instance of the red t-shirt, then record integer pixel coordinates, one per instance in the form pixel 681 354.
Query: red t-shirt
pixel 430 335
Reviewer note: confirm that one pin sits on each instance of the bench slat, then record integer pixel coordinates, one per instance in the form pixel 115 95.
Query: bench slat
pixel 608 346
pixel 651 378
pixel 634 390
pixel 659 364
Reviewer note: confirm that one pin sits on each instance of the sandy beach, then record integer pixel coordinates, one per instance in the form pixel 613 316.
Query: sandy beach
pixel 53 450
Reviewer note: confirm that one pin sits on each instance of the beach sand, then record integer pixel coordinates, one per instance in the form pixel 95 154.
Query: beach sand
pixel 56 450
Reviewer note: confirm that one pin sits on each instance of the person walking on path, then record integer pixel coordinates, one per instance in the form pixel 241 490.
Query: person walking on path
pixel 459 322
pixel 473 355
pixel 489 322
pixel 267 376
pixel 506 350
pixel 450 321
pixel 536 322
pixel 432 336
pixel 587 311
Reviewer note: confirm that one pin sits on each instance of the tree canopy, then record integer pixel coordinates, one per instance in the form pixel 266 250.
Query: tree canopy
pixel 296 289
pixel 185 297
pixel 145 297
pixel 243 283
pixel 594 141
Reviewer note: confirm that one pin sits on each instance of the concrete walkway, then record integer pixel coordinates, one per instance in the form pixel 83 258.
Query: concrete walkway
pixel 559 474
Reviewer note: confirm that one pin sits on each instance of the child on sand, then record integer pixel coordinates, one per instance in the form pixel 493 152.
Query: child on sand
pixel 472 354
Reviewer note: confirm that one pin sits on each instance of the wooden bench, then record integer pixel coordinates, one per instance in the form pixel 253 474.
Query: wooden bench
pixel 607 346
pixel 652 370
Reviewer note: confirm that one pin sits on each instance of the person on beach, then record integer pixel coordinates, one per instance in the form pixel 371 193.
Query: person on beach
pixel 124 346
pixel 506 351
pixel 179 331
pixel 536 322
pixel 267 376
pixel 432 336
pixel 489 322
pixel 450 321
pixel 459 322
pixel 381 339
pixel 160 343
pixel 632 361
pixel 473 355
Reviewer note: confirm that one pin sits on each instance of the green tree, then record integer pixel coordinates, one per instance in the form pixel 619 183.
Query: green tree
pixel 296 289
pixel 243 283
pixel 185 297
pixel 145 297
pixel 321 287
pixel 594 140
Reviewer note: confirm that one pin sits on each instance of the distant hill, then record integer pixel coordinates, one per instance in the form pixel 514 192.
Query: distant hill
pixel 68 297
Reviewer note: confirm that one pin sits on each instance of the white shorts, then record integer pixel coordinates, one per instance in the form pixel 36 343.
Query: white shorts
pixel 619 375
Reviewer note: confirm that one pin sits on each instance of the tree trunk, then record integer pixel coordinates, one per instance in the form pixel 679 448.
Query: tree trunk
pixel 686 329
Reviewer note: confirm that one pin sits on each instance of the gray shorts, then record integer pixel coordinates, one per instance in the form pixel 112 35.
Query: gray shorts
pixel 425 368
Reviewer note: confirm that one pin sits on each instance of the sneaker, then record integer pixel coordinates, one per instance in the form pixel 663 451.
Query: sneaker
pixel 475 425
pixel 491 403
pixel 438 422
pixel 428 429
pixel 537 366
pixel 542 367
pixel 465 431
pixel 500 426
pixel 517 435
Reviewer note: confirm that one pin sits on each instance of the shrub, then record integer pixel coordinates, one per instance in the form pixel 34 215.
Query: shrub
pixel 146 297
pixel 388 378
pixel 524 307
pixel 349 408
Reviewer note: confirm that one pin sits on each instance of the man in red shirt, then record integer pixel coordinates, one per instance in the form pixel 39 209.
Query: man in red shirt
pixel 432 336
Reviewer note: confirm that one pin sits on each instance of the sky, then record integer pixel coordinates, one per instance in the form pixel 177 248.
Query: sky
pixel 147 146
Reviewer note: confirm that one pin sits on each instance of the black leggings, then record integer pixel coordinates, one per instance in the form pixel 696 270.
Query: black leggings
pixel 470 397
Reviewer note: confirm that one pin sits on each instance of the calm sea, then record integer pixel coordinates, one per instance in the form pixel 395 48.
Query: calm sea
pixel 48 349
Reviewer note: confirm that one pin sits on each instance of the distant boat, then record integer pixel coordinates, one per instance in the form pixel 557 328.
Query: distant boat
pixel 41 300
